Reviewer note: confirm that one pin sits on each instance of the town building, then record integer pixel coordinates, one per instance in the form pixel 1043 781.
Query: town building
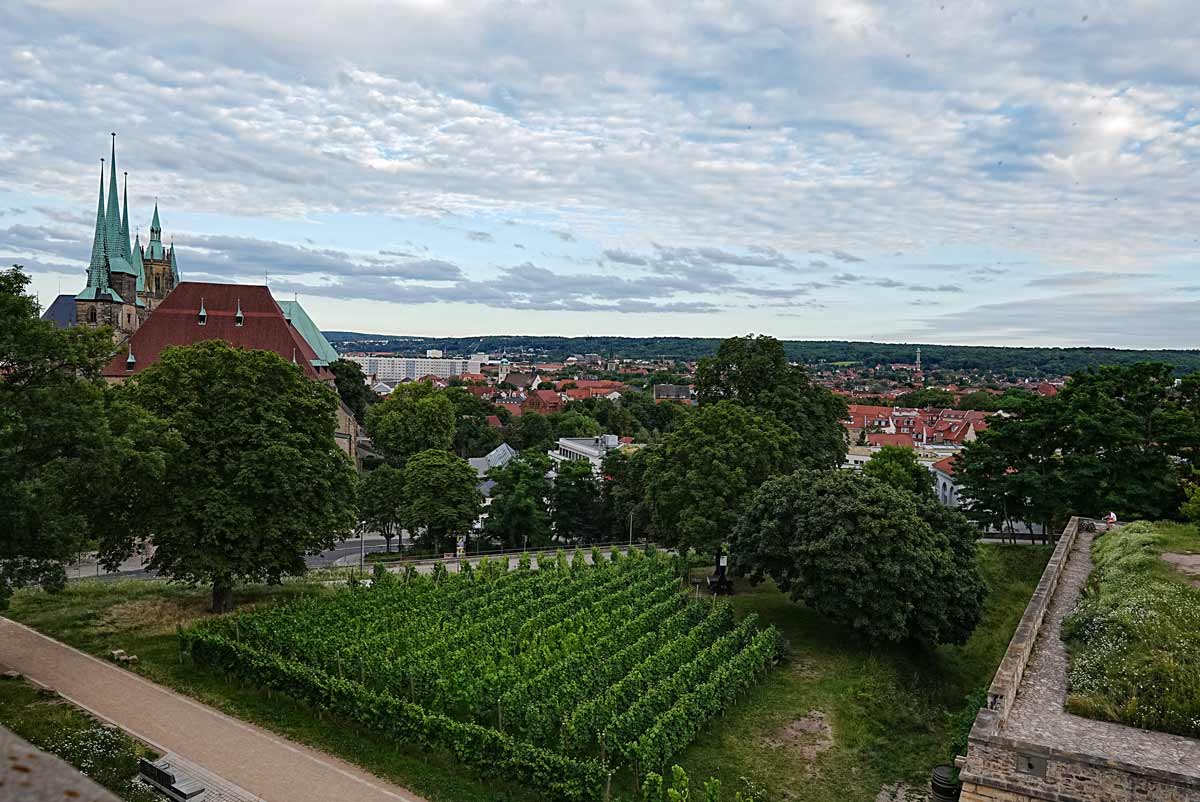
pixel 592 449
pixel 243 315
pixel 124 282
pixel 543 402
pixel 402 368
pixel 676 393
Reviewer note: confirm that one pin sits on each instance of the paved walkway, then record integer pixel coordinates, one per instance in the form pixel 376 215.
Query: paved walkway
pixel 264 764
pixel 1038 716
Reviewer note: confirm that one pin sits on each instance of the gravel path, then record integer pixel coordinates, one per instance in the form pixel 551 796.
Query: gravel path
pixel 266 765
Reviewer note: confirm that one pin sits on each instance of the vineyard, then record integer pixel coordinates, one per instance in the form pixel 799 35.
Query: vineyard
pixel 556 677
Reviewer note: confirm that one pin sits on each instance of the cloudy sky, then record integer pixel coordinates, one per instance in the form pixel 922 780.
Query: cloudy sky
pixel 941 171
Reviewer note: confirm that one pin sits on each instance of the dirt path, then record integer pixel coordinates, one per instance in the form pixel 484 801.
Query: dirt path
pixel 267 765
pixel 1186 564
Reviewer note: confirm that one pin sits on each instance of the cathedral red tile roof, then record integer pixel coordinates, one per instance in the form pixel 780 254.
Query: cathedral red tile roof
pixel 176 321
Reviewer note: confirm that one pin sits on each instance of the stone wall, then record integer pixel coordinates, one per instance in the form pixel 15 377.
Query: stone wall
pixel 1024 747
pixel 1002 770
pixel 1008 677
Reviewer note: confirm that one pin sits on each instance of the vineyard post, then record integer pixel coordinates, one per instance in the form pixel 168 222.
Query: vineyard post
pixel 604 747
pixel 608 787
pixel 237 630
pixel 179 640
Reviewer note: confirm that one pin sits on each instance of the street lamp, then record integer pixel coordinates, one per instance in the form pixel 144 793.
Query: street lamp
pixel 631 529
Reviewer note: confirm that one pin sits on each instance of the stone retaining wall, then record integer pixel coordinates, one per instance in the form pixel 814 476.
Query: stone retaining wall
pixel 1008 677
pixel 1038 752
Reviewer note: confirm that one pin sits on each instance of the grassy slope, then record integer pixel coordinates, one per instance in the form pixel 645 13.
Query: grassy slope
pixel 888 708
pixel 108 757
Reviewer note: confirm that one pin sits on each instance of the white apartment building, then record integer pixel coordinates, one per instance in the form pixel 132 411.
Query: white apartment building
pixel 399 368
pixel 591 449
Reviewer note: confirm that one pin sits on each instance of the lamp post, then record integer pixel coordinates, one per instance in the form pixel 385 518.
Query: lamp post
pixel 631 529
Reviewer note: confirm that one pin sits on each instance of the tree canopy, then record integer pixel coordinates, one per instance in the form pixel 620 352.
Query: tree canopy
pixel 898 467
pixel 1114 439
pixel 77 461
pixel 351 384
pixel 877 560
pixel 754 371
pixel 381 502
pixel 414 418
pixel 576 504
pixel 518 515
pixel 441 498
pixel 701 476
pixel 257 480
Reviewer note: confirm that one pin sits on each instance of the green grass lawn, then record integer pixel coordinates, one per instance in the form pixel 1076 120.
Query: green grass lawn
pixel 888 710
pixel 106 755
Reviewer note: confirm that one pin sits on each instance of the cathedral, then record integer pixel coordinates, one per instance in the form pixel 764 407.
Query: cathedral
pixel 124 282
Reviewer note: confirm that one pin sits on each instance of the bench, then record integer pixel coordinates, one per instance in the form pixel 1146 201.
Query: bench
pixel 160 775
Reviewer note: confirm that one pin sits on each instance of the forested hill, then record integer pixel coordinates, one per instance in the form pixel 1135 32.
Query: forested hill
pixel 1015 361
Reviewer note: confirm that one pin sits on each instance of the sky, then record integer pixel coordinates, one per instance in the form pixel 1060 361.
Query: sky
pixel 951 171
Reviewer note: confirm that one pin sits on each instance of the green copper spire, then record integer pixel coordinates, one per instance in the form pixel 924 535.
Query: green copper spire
pixel 174 266
pixel 97 276
pixel 125 220
pixel 112 216
pixel 155 226
pixel 138 264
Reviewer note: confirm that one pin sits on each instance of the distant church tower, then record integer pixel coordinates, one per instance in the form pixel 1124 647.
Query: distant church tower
pixel 124 283
pixel 157 266
pixel 918 360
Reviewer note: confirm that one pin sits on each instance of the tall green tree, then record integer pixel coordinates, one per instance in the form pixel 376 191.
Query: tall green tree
pixel 77 462
pixel 898 467
pixel 626 513
pixel 574 424
pixel 883 562
pixel 576 504
pixel 1116 438
pixel 530 432
pixel 258 480
pixel 381 502
pixel 414 418
pixel 441 498
pixel 473 437
pixel 754 371
pixel 351 384
pixel 700 478
pixel 518 514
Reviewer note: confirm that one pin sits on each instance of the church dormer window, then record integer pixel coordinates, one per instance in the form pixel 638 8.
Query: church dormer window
pixel 203 314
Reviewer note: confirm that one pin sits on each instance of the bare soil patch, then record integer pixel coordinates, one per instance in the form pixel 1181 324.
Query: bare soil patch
pixel 806 737
pixel 1186 564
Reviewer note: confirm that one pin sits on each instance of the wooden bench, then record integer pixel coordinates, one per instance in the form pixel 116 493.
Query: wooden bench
pixel 160 775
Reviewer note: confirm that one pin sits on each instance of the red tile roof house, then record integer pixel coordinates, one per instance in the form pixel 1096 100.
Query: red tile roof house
pixel 883 439
pixel 243 315
pixel 545 402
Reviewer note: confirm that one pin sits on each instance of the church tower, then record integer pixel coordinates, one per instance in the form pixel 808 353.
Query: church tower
pixel 124 283
pixel 110 297
pixel 159 270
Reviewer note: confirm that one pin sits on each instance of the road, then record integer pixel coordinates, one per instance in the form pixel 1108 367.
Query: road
pixel 133 567
pixel 265 764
